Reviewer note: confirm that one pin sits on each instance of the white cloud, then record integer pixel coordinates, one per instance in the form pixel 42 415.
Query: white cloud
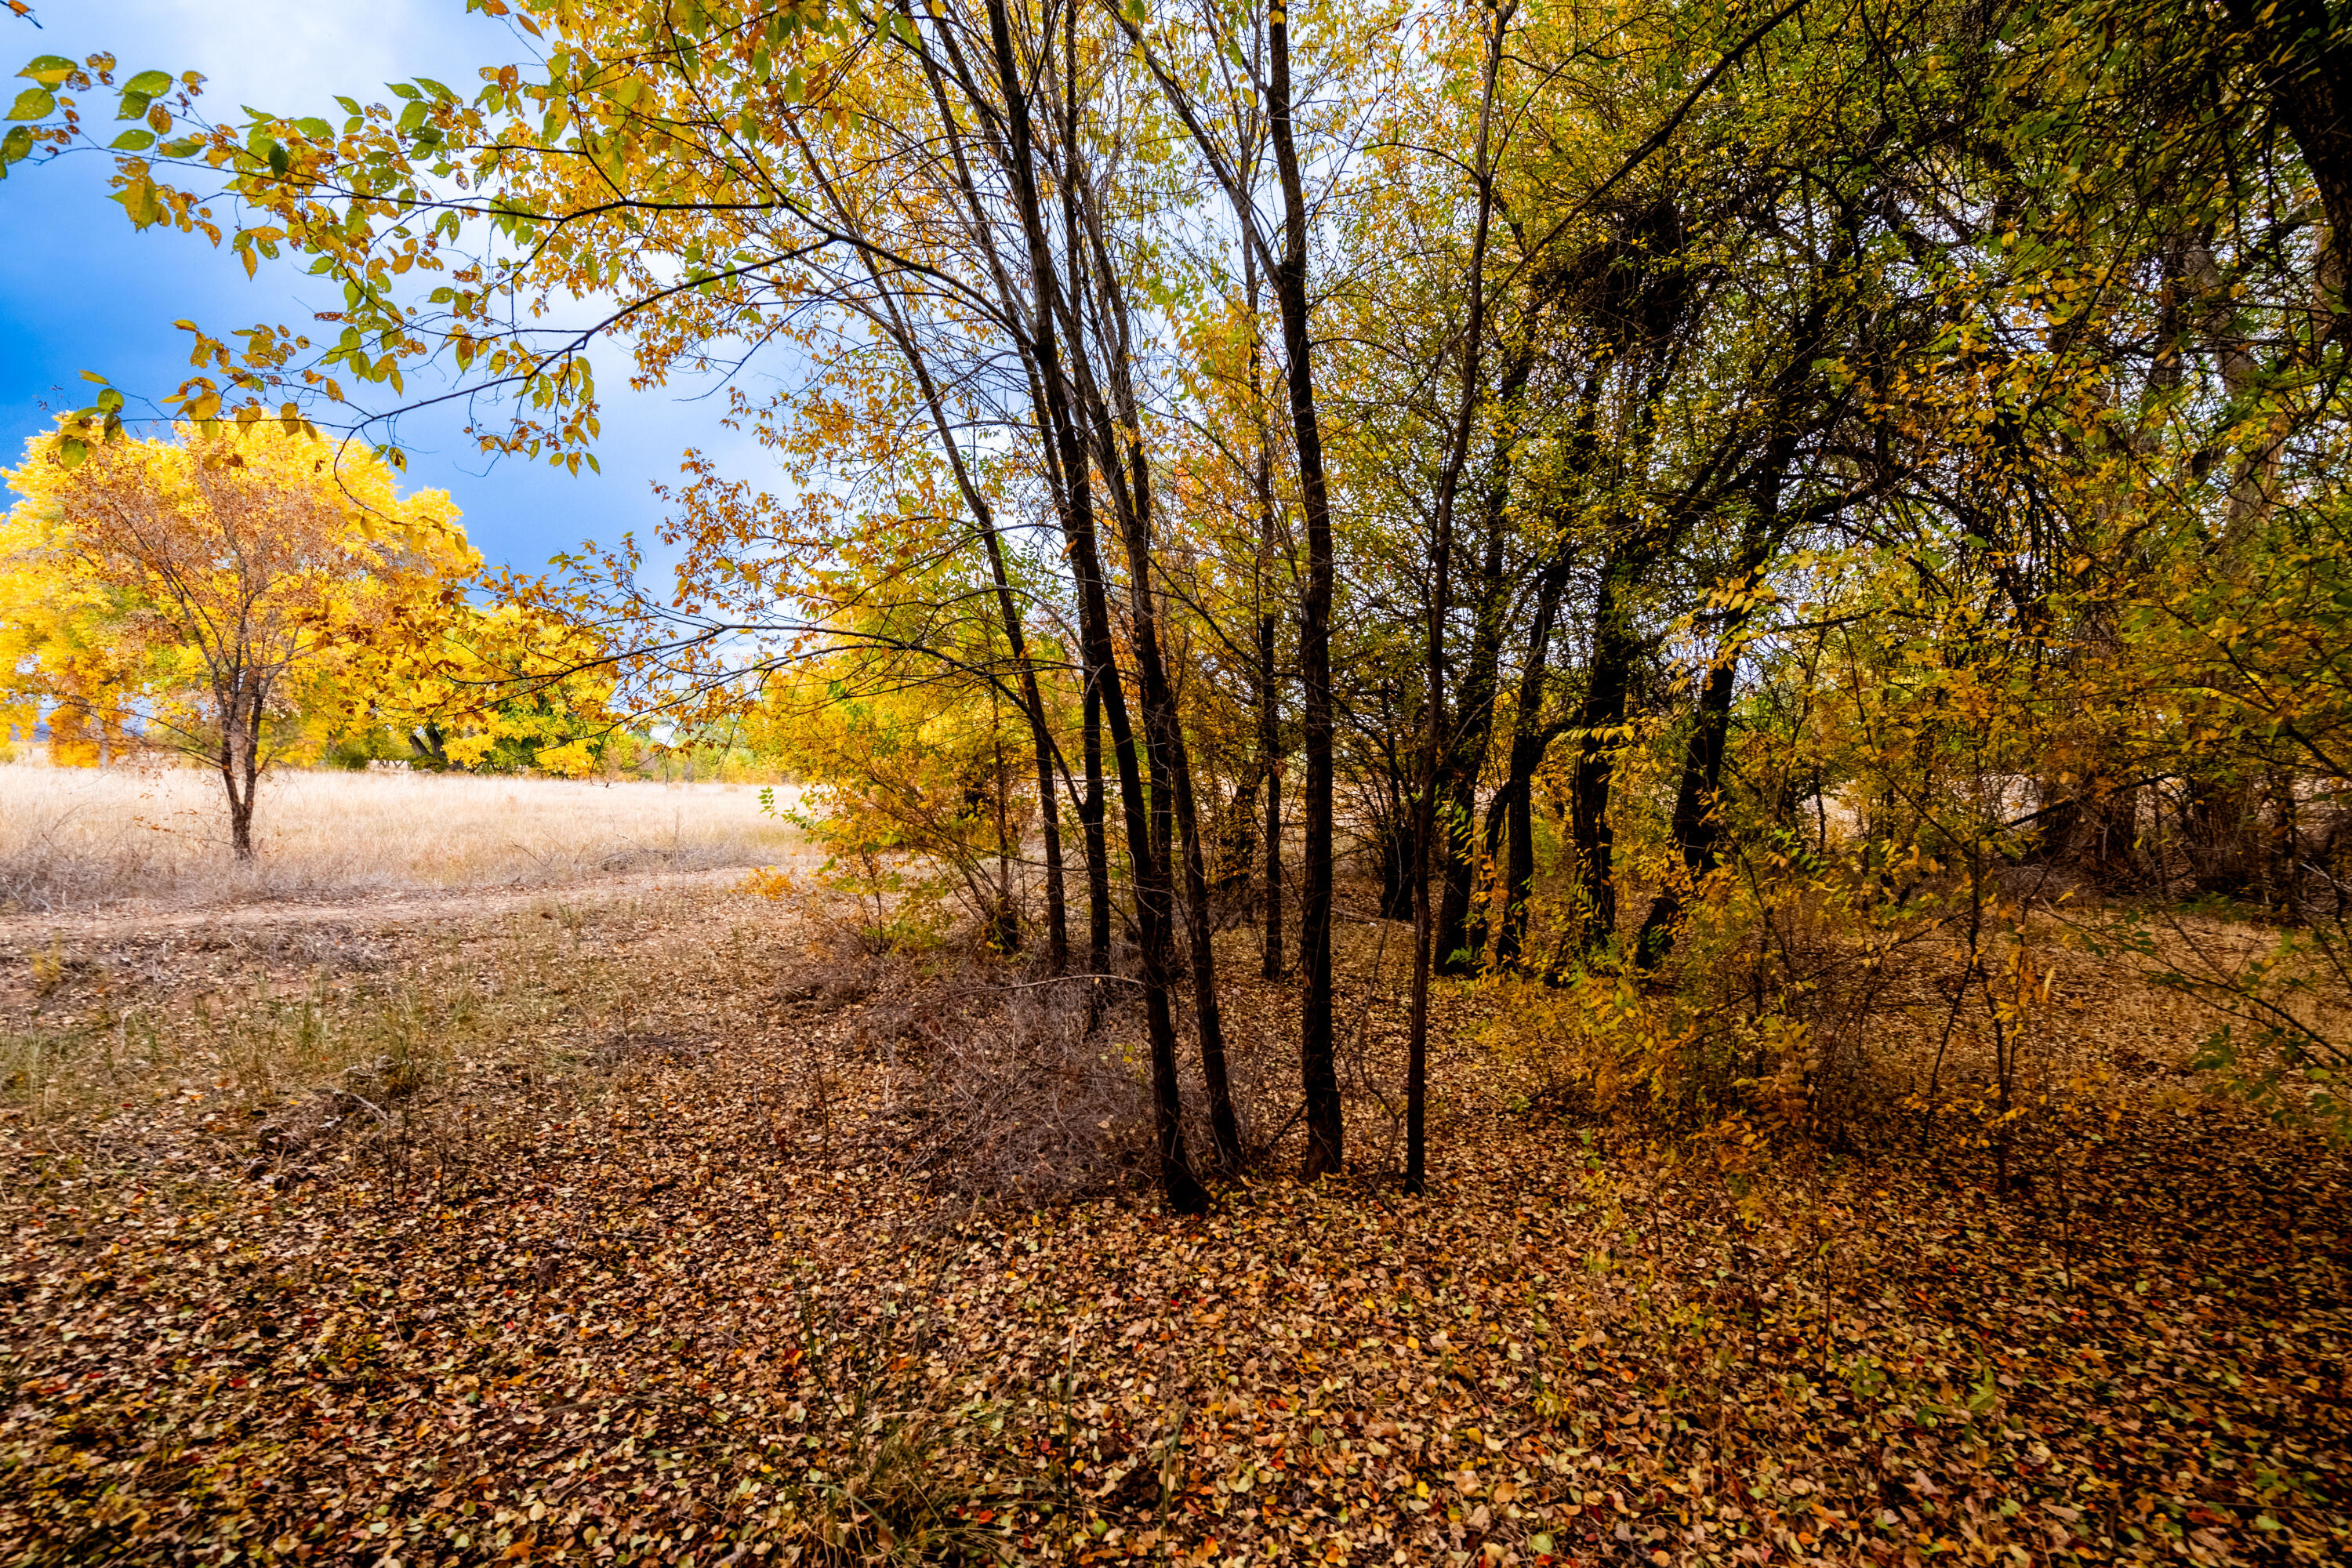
pixel 287 55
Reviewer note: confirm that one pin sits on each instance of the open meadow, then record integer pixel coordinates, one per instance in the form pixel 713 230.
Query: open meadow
pixel 83 841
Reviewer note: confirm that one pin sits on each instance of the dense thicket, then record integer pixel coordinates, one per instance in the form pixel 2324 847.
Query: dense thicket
pixel 1651 478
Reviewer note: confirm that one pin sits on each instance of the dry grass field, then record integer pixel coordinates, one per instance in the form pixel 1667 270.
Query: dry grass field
pixel 77 839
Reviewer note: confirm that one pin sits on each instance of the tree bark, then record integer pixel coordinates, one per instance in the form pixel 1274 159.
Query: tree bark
pixel 1270 742
pixel 1530 738
pixel 1172 790
pixel 1118 419
pixel 240 763
pixel 1696 828
pixel 1090 819
pixel 1474 723
pixel 1269 694
pixel 984 517
pixel 2304 57
pixel 1609 684
pixel 1318 1068
pixel 1512 815
pixel 1435 755
pixel 1183 1187
pixel 1032 704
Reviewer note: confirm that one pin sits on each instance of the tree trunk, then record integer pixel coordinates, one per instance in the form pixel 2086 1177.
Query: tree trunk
pixel 1172 790
pixel 1224 1125
pixel 1004 934
pixel 1394 856
pixel 2304 57
pixel 1607 686
pixel 1270 742
pixel 1232 834
pixel 1531 737
pixel 2222 820
pixel 1090 819
pixel 1269 694
pixel 1696 826
pixel 1183 1187
pixel 1436 754
pixel 1111 406
pixel 1457 949
pixel 1032 704
pixel 1527 749
pixel 240 823
pixel 240 766
pixel 984 517
pixel 1318 1068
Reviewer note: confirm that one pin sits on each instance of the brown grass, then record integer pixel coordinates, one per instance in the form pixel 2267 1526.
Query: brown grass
pixel 81 839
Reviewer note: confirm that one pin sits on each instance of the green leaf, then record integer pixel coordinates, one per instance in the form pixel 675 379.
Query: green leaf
pixel 151 83
pixel 15 145
pixel 33 103
pixel 134 106
pixel 314 128
pixel 137 140
pixel 71 451
pixel 50 70
pixel 185 147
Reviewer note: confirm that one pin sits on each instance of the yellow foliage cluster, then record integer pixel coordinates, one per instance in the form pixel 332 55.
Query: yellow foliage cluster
pixel 246 593
pixel 234 586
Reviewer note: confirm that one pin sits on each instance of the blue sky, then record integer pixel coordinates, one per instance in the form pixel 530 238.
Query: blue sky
pixel 79 290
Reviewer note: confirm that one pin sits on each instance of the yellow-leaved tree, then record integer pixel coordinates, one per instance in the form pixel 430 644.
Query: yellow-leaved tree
pixel 507 687
pixel 238 592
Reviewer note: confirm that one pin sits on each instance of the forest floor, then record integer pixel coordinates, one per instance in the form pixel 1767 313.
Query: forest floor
pixel 584 1228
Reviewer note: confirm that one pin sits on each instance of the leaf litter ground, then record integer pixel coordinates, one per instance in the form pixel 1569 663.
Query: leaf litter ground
pixel 637 1276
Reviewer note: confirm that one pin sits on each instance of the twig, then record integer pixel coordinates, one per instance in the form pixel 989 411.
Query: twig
pixel 1056 980
pixel 380 1116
